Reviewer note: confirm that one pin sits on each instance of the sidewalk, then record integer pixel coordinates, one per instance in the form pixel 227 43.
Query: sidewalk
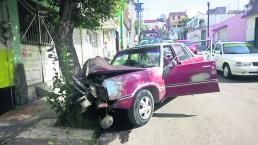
pixel 33 124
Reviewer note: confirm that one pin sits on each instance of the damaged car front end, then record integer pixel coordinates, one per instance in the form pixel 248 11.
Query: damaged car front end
pixel 100 87
pixel 137 78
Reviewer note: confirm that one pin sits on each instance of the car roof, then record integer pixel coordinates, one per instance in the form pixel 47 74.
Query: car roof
pixel 148 46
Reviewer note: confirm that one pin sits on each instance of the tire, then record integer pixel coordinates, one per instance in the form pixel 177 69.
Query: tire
pixel 142 109
pixel 227 72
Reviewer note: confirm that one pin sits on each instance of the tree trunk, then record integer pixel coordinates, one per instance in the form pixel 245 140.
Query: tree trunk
pixel 63 35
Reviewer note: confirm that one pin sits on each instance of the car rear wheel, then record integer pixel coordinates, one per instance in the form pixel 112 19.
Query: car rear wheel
pixel 227 72
pixel 142 109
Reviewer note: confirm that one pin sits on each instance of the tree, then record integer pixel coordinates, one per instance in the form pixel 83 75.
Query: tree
pixel 162 18
pixel 70 14
pixel 183 22
pixel 66 15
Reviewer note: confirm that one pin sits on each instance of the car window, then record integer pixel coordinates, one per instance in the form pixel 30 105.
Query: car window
pixel 134 57
pixel 238 48
pixel 121 60
pixel 189 52
pixel 181 53
pixel 139 58
pixel 218 47
pixel 167 51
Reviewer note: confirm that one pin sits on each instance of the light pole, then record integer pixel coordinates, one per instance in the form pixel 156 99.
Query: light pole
pixel 208 27
pixel 121 26
pixel 139 9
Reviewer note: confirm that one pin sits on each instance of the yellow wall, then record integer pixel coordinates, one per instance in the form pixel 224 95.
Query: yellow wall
pixel 6 67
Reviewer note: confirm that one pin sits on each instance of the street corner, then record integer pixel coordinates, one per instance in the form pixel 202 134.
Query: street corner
pixel 45 132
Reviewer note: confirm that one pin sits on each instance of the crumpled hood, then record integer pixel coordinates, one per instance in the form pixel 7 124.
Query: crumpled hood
pixel 99 65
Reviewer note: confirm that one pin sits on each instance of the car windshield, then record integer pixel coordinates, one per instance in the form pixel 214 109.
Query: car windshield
pixel 238 48
pixel 145 58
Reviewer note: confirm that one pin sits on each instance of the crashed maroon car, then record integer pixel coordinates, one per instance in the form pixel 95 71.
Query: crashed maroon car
pixel 140 77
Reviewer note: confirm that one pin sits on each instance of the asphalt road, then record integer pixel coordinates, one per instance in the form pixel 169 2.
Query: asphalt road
pixel 229 117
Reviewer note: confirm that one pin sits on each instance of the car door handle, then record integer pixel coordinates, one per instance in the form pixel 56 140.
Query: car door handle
pixel 206 66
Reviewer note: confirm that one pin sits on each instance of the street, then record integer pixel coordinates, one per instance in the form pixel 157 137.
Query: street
pixel 226 118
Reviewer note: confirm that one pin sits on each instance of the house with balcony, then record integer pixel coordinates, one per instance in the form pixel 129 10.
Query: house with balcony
pixel 241 27
pixel 197 26
pixel 174 19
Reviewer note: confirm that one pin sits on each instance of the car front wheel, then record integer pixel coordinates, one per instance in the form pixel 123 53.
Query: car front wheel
pixel 227 72
pixel 142 108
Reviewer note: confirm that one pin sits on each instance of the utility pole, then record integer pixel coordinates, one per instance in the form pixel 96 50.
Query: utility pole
pixel 121 26
pixel 139 9
pixel 208 26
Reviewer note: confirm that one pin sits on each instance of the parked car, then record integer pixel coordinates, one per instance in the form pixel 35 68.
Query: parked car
pixel 189 44
pixel 168 41
pixel 142 76
pixel 150 37
pixel 236 58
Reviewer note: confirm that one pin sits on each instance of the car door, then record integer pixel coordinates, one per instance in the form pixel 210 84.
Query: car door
pixel 188 77
pixel 217 54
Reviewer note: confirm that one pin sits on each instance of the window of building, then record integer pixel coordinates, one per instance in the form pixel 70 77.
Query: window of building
pixel 94 40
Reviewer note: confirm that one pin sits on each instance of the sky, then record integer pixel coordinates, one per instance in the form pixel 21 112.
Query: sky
pixel 154 8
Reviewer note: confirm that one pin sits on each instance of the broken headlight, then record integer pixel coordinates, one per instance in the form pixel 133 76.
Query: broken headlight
pixel 114 88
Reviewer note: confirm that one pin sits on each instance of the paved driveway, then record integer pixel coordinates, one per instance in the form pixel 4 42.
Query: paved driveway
pixel 229 117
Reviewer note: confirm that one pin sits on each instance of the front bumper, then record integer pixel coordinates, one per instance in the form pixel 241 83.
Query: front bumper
pixel 102 100
pixel 123 103
pixel 245 71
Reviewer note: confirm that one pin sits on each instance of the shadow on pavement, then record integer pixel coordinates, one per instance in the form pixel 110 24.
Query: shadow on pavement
pixel 237 79
pixel 120 129
pixel 160 105
pixel 171 115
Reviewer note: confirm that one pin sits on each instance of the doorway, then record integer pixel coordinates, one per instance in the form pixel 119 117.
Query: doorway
pixel 256 32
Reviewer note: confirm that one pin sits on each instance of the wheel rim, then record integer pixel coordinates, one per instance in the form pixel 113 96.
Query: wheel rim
pixel 226 71
pixel 145 107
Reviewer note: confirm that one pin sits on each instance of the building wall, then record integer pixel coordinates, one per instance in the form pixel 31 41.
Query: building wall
pixel 214 19
pixel 6 50
pixel 250 27
pixel 235 29
pixel 175 17
pixel 195 35
pixel 89 44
